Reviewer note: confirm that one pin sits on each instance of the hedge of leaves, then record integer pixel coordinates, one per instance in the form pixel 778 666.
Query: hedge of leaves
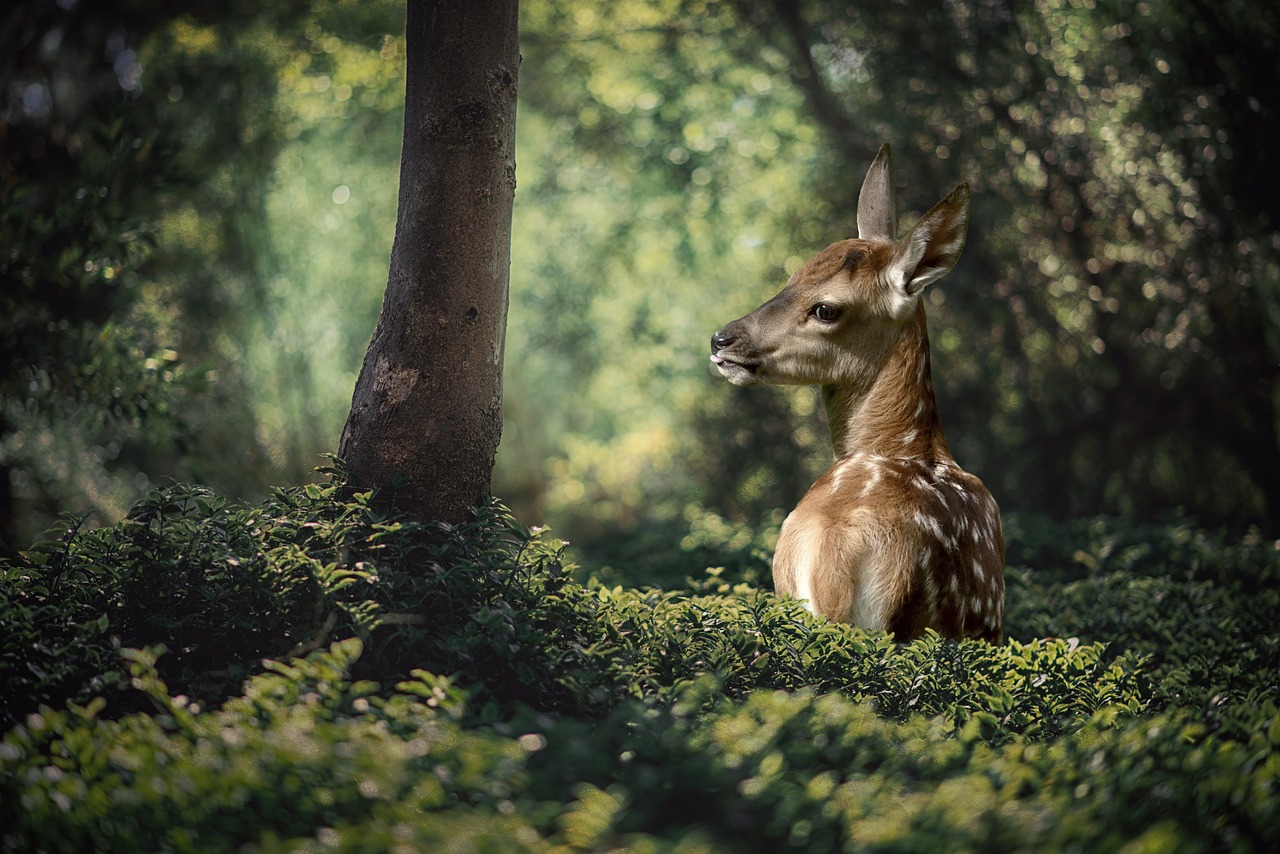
pixel 315 673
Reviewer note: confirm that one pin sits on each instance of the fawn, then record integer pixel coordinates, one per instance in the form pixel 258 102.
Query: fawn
pixel 895 535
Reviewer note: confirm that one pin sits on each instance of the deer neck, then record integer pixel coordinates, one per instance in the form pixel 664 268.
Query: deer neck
pixel 893 415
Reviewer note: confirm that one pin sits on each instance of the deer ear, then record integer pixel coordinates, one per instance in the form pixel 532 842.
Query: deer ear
pixel 931 249
pixel 877 202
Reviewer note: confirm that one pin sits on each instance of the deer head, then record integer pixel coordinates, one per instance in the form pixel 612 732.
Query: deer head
pixel 839 314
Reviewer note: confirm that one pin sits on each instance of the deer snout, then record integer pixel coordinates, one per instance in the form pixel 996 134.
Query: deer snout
pixel 721 340
pixel 738 368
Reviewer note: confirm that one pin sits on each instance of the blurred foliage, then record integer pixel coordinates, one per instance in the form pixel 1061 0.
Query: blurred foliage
pixel 108 319
pixel 87 385
pixel 1107 344
pixel 166 171
pixel 432 683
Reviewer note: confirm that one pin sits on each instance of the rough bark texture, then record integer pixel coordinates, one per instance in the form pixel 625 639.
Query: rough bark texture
pixel 428 405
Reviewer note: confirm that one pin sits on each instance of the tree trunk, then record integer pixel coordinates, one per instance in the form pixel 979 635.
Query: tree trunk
pixel 427 409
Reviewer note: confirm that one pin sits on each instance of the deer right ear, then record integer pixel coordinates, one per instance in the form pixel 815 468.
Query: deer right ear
pixel 931 249
pixel 877 202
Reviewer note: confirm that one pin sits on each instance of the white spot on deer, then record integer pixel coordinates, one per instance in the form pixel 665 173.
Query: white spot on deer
pixel 871 481
pixel 978 571
pixel 837 477
pixel 909 437
pixel 928 523
pixel 923 485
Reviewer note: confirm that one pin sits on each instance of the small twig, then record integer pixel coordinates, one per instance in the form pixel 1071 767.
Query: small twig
pixel 402 620
pixel 317 640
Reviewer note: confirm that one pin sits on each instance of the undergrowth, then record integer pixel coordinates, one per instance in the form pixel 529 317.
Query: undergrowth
pixel 316 672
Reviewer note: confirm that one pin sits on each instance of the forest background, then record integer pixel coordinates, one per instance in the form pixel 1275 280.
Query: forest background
pixel 197 206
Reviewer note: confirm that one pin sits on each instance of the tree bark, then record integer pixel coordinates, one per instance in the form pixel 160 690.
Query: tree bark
pixel 427 410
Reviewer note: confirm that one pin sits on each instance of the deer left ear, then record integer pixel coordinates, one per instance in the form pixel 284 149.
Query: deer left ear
pixel 877 201
pixel 931 249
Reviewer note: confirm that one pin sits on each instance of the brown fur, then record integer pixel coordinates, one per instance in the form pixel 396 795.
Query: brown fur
pixel 895 535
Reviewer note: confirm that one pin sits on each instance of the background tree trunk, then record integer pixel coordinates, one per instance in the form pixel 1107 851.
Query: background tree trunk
pixel 428 405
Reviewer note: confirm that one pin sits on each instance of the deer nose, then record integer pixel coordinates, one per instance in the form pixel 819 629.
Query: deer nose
pixel 721 340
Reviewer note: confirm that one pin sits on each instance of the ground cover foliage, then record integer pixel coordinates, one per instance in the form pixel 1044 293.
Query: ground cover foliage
pixel 313 672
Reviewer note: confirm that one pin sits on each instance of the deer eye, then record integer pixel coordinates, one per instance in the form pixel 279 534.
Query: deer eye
pixel 825 313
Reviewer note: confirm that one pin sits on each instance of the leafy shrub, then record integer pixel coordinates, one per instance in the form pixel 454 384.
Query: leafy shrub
pixel 305 752
pixel 221 585
pixel 1198 607
pixel 308 758
pixel 1134 703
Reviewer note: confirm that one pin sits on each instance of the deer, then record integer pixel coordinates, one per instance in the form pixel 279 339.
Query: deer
pixel 895 536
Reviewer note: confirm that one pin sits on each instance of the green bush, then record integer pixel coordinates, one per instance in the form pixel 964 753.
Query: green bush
pixel 221 585
pixel 303 753
pixel 307 758
pixel 1198 606
pixel 180 682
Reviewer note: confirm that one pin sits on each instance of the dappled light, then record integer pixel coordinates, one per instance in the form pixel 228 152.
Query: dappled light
pixel 1085 296
pixel 676 162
